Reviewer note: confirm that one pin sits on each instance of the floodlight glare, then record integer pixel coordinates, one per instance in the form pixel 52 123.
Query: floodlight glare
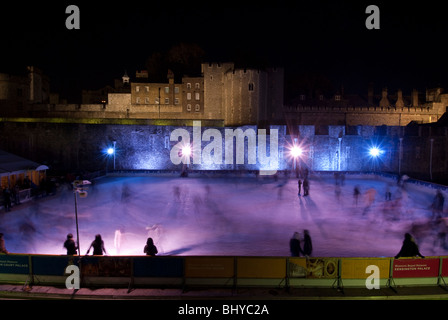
pixel 110 151
pixel 296 151
pixel 186 151
pixel 374 152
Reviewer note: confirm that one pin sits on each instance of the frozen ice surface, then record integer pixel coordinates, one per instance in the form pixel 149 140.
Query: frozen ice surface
pixel 242 216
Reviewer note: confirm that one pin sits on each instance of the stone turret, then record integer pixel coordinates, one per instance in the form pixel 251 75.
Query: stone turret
pixel 384 102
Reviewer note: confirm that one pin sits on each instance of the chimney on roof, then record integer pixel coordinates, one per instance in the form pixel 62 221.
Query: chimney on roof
pixel 384 102
pixel 400 102
pixel 414 98
pixel 370 94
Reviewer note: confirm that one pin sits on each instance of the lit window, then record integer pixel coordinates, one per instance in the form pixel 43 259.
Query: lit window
pixel 167 100
pixel 146 100
pixel 337 97
pixel 197 86
pixel 188 107
pixel 197 108
pixel 167 89
pixel 137 89
pixel 146 88
pixel 176 100
pixel 188 96
pixel 176 89
pixel 156 100
pixel 197 95
pixel 137 100
pixel 188 85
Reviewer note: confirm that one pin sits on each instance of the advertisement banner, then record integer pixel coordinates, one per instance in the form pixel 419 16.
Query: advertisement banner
pixel 415 268
pixel 209 267
pixel 14 264
pixel 444 271
pixel 353 268
pixel 106 266
pixel 268 268
pixel 315 268
pixel 52 265
pixel 158 267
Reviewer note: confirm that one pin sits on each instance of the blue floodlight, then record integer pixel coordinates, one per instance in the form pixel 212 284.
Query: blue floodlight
pixel 296 151
pixel 110 151
pixel 375 152
pixel 186 150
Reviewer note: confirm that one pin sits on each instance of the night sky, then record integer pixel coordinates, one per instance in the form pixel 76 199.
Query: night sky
pixel 327 38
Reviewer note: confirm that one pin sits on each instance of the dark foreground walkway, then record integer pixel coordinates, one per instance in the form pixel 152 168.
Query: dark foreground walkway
pixel 59 293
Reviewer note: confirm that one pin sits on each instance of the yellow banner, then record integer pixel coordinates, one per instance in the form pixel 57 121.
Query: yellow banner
pixel 209 267
pixel 353 268
pixel 255 267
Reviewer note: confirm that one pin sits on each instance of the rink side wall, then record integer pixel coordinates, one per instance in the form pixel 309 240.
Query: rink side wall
pixel 223 271
pixel 420 152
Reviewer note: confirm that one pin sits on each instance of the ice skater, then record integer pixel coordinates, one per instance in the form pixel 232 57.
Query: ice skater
pixel 306 187
pixel 156 233
pixel 294 245
pixel 2 245
pixel 150 249
pixel 356 194
pixel 70 245
pixel 98 246
pixel 307 243
pixel 409 248
pixel 299 185
pixel 437 205
pixel 7 199
pixel 118 239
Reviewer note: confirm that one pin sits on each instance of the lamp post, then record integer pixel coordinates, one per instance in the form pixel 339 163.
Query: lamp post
pixel 79 186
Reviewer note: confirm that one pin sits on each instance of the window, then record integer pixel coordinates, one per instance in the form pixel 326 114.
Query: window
pixel 147 100
pixel 302 97
pixel 197 95
pixel 337 97
pixel 176 100
pixel 146 88
pixel 156 101
pixel 167 142
pixel 188 96
pixel 137 89
pixel 197 85
pixel 188 107
pixel 176 90
pixel 167 89
pixel 137 100
pixel 251 86
pixel 167 100
pixel 197 108
pixel 188 85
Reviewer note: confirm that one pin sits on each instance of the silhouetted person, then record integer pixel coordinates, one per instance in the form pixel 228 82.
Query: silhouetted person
pixel 294 245
pixel 2 245
pixel 7 199
pixel 307 243
pixel 70 245
pixel 150 249
pixel 409 248
pixel 98 246
pixel 437 205
pixel 299 185
pixel 306 187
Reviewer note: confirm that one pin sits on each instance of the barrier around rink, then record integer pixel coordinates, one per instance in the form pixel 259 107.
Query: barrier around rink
pixel 222 271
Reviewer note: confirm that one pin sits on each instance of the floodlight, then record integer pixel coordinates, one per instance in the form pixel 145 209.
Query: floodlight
pixel 374 152
pixel 296 151
pixel 110 151
pixel 186 151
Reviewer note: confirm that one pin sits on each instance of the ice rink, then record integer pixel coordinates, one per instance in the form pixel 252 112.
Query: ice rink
pixel 242 216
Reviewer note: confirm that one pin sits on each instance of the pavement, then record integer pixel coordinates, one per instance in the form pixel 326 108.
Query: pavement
pixel 10 291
